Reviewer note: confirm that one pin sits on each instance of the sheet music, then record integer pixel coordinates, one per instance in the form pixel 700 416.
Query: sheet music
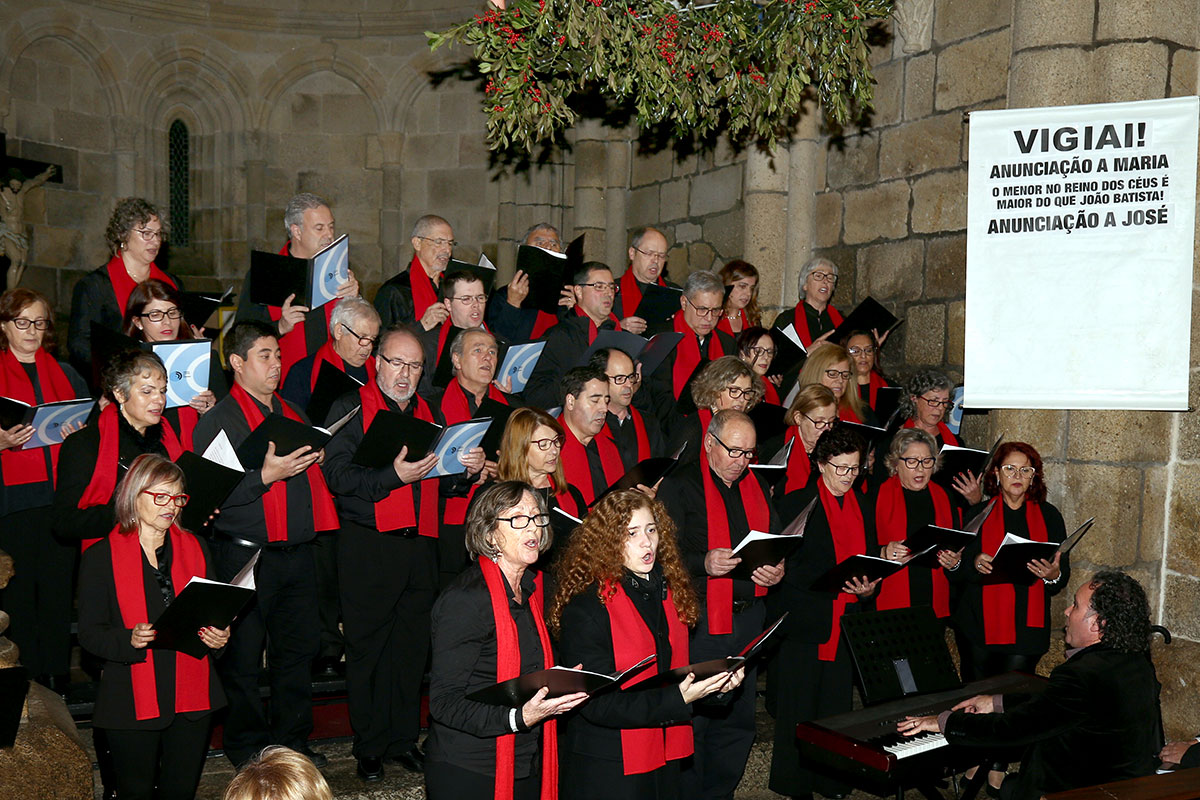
pixel 220 451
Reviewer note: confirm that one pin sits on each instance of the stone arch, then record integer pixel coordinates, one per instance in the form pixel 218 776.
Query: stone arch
pixel 201 73
pixel 78 33
pixel 326 57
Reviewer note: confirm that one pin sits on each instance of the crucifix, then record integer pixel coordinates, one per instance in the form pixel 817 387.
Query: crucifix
pixel 20 176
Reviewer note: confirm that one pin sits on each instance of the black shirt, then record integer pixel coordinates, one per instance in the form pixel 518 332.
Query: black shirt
pixel 297 387
pixel 566 343
pixel 658 389
pixel 625 434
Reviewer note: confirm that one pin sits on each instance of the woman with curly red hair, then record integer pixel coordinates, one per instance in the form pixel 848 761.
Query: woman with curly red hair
pixel 623 594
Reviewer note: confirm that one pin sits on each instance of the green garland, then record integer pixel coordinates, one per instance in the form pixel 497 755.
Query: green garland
pixel 739 65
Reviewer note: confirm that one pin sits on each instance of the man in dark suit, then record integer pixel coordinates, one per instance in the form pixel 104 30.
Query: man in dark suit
pixel 411 297
pixel 637 436
pixel 1098 719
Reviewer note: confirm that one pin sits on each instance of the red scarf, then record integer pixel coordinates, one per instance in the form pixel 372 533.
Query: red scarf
pixel 687 354
pixel 875 382
pixel 123 285
pixel 17 466
pixel 849 539
pixel 191 674
pixel 999 599
pixel 594 331
pixel 631 292
pixel 646 749
pixel 770 393
pixel 275 510
pixel 188 417
pixel 293 346
pixel 100 488
pixel 508 666
pixel 326 354
pixel 455 409
pixel 397 510
pixel 799 465
pixel 542 323
pixel 945 434
pixel 424 293
pixel 575 462
pixel 891 525
pixel 800 322
pixel 566 501
pixel 643 438
pixel 727 326
pixel 719 601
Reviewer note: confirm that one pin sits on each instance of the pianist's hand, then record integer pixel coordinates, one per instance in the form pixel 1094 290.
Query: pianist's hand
pixel 719 561
pixel 979 704
pixel 1173 752
pixel 911 726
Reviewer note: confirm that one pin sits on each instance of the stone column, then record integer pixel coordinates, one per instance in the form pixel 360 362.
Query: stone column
pixel 125 151
pixel 806 168
pixel 618 152
pixel 765 196
pixel 391 214
pixel 591 166
pixel 256 189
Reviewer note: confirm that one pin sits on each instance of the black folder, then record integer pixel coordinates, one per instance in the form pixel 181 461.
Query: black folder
pixel 443 370
pixel 273 277
pixel 757 548
pixel 706 669
pixel 14 685
pixel 1009 564
pixel 389 433
pixel 499 412
pixel 887 403
pixel 548 273
pixel 960 460
pixel 658 304
pixel 631 344
pixel 209 484
pixel 856 566
pixel 645 473
pixel 789 357
pixel 515 692
pixel 198 307
pixel 486 275
pixel 768 421
pixel 106 343
pixel 201 604
pixel 867 316
pixel 287 434
pixel 331 384
pixel 941 538
pixel 871 433
pixel 657 350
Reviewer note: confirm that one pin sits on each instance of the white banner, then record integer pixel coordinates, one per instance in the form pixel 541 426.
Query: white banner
pixel 1080 227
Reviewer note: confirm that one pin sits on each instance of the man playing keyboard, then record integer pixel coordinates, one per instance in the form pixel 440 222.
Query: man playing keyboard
pixel 1098 719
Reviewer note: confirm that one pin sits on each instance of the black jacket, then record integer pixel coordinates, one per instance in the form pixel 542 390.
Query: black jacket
pixel 658 393
pixel 1097 721
pixel 394 300
pixel 566 343
pixel 625 434
pixel 93 300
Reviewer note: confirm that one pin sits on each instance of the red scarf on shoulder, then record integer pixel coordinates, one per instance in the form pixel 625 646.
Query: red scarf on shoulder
pixel 424 292
pixel 770 393
pixel 800 322
pixel 191 674
pixel 944 433
pixel 646 749
pixel 293 345
pixel 891 525
pixel 508 666
pixel 566 501
pixel 275 500
pixel 687 354
pixel 326 354
pixel 999 599
pixel 398 510
pixel 727 326
pixel 575 463
pixel 631 292
pixel 123 285
pixel 719 599
pixel 20 467
pixel 799 465
pixel 541 324
pixel 643 438
pixel 455 409
pixel 849 539
pixel 875 382
pixel 594 331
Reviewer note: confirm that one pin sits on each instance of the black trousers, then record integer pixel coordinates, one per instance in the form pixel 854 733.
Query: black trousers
pixel 39 596
pixel 807 689
pixel 387 585
pixel 325 561
pixel 283 617
pixel 452 553
pixel 171 759
pixel 723 734
pixel 445 781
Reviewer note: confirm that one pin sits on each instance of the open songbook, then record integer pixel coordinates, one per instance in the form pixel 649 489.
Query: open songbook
pixel 759 548
pixel 707 669
pixel 201 604
pixel 559 680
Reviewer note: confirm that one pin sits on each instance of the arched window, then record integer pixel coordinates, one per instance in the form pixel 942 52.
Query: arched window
pixel 177 165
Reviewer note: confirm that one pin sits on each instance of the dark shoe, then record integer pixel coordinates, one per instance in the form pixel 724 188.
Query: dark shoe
pixel 370 768
pixel 318 759
pixel 413 760
pixel 325 667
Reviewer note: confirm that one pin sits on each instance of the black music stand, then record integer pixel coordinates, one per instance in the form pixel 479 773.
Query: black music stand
pixel 899 652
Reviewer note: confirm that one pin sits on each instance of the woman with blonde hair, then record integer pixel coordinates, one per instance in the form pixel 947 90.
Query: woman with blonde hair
pixel 830 365
pixel 278 773
pixel 624 593
pixel 531 452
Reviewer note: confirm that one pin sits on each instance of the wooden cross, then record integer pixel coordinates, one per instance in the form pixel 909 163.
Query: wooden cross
pixel 27 167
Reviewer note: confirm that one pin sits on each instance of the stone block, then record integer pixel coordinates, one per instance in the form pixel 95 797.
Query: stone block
pixel 725 233
pixel 1154 502
pixel 686 232
pixel 1168 20
pixel 1176 667
pixel 1185 65
pixel 1054 77
pixel 878 212
pixel 450 187
pixel 651 167
pixel 48 759
pixel 700 256
pixel 97 173
pixel 1183 522
pixel 1189 424
pixel 67 158
pixel 940 202
pixel 1041 23
pixel 589 208
pixel 945 266
pixel 958 19
pixel 73 209
pixel 1119 436
pixel 852 161
pixel 673 200
pixel 1181 599
pixel 828 219
pixel 889 272
pixel 1132 70
pixel 1045 430
pixel 1113 496
pixel 460 111
pixel 973 71
pixel 643 206
pixel 23 82
pixel 956 318
pixel 304 111
pixel 917 147
pixel 589 163
pixel 925 335
pixel 919 75
pixel 430 151
pixel 715 191
pixel 766 171
pixel 889 93
pixel 37 121
pixel 43 279
pixel 82 131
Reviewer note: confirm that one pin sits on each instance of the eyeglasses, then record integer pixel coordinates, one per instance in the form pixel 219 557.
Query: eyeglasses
pixel 701 311
pixel 737 392
pixel 869 350
pixel 547 244
pixel 440 242
pixel 162 498
pixel 652 254
pixel 933 402
pixel 820 424
pixel 521 521
pixel 737 452
pixel 23 323
pixel 914 462
pixel 1012 469
pixel 471 299
pixel 365 341
pixel 843 469
pixel 759 352
pixel 832 374
pixel 546 444
pixel 159 316
pixel 823 276
pixel 149 235
pixel 621 380
pixel 401 364
pixel 603 288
